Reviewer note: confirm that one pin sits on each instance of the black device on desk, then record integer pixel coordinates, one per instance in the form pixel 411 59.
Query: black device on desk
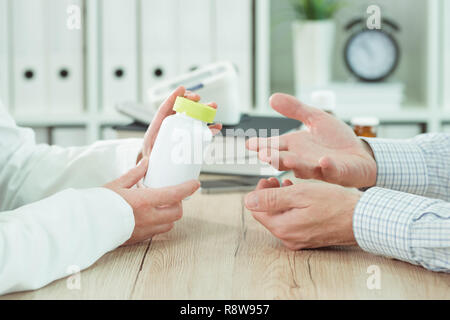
pixel 246 124
pixel 240 184
pixel 261 125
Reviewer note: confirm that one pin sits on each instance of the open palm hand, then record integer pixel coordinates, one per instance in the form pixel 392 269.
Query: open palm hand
pixel 327 150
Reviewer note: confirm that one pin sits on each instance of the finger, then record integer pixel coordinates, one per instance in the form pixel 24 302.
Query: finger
pixel 133 176
pixel 278 143
pixel 168 214
pixel 287 183
pixel 290 107
pixel 215 128
pixel 266 155
pixel 192 96
pixel 273 183
pixel 272 157
pixel 271 200
pixel 267 183
pixel 213 105
pixel 165 110
pixel 287 161
pixel 261 184
pixel 290 161
pixel 329 169
pixel 171 195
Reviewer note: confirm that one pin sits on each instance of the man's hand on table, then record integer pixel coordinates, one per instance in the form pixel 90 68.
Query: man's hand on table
pixel 312 215
pixel 306 215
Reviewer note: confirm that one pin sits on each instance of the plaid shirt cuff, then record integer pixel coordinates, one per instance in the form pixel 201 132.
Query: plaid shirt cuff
pixel 401 166
pixel 383 219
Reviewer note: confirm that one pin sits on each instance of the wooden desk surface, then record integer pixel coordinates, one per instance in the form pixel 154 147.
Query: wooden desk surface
pixel 218 251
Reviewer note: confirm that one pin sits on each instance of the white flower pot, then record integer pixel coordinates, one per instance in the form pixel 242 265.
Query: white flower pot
pixel 313 43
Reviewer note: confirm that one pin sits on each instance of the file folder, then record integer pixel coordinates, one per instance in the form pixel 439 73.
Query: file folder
pixel 28 56
pixel 159 42
pixel 233 42
pixel 195 34
pixel 118 52
pixel 65 57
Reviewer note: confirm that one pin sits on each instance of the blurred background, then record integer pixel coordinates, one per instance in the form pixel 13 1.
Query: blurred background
pixel 65 65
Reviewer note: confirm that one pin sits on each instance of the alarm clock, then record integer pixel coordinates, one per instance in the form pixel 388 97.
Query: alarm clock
pixel 372 55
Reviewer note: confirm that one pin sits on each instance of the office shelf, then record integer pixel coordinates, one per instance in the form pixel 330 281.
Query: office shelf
pixel 425 62
pixel 49 120
pixel 425 67
pixel 92 119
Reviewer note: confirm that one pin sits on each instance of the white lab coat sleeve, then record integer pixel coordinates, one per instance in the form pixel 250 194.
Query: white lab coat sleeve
pixel 51 238
pixel 30 172
pixel 46 225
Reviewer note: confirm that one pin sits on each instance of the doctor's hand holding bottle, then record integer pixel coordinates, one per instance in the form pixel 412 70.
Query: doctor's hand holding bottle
pixel 155 210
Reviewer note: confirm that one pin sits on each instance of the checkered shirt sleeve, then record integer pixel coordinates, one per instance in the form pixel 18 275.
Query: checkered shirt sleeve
pixel 405 217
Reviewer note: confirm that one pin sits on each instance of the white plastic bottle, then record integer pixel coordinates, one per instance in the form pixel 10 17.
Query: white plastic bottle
pixel 177 154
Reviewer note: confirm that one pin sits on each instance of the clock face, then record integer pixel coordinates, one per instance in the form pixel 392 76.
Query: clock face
pixel 372 55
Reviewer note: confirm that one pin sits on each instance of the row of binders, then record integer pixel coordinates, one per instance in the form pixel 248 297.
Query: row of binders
pixel 137 43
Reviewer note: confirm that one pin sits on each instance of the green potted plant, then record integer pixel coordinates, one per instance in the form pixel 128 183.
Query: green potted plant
pixel 313 41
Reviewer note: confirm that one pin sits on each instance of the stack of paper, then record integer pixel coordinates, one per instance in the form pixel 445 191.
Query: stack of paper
pixel 228 154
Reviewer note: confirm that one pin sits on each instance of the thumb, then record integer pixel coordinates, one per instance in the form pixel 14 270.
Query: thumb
pixel 270 200
pixel 133 176
pixel 174 194
pixel 290 107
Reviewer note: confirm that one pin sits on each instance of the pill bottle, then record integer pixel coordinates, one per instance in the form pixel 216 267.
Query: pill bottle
pixel 177 154
pixel 324 100
pixel 365 127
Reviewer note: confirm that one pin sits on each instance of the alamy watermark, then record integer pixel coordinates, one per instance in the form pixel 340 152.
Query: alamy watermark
pixel 194 147
pixel 73 21
pixel 373 282
pixel 374 20
pixel 73 282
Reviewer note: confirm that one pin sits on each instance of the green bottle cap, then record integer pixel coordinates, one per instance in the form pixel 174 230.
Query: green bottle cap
pixel 195 110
